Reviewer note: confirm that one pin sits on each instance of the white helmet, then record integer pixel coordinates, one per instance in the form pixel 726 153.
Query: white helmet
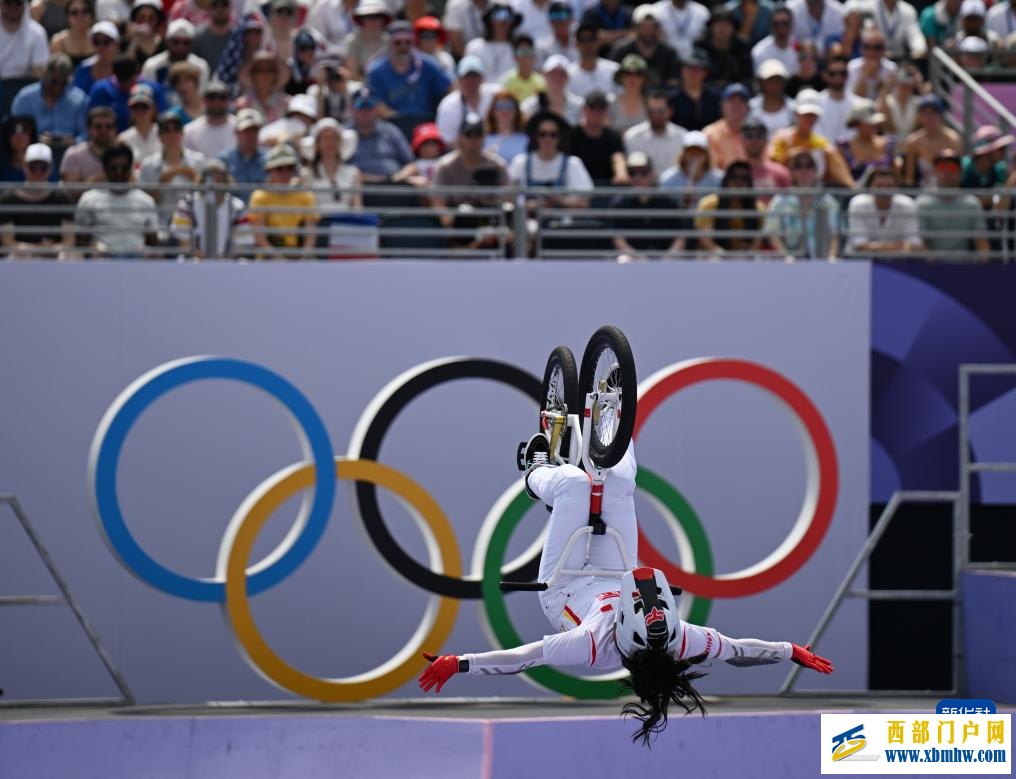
pixel 647 614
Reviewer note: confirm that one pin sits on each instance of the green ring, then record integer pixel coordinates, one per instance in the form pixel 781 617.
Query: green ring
pixel 496 609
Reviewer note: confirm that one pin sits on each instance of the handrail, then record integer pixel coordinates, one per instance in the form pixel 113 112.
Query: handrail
pixel 944 72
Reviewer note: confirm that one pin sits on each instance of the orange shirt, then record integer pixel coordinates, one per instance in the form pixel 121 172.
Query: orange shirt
pixel 725 144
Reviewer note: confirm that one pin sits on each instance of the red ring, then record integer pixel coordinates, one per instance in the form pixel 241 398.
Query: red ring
pixel 685 375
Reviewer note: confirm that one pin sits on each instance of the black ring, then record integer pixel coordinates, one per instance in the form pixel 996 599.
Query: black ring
pixel 366 494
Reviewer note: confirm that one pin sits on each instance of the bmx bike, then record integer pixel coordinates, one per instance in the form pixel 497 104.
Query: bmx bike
pixel 605 389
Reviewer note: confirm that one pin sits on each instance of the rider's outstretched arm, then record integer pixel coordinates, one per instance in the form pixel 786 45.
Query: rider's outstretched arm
pixel 746 652
pixel 498 662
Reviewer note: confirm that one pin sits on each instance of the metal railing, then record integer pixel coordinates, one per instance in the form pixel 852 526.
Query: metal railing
pixel 509 222
pixel 968 104
pixel 66 598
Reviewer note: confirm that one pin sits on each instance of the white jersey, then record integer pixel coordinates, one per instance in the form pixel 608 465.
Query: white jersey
pixel 590 644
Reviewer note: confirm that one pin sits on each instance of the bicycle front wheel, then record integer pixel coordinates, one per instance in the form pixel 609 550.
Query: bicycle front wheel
pixel 608 369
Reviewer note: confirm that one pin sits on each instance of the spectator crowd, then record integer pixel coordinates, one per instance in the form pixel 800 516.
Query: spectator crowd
pixel 737 127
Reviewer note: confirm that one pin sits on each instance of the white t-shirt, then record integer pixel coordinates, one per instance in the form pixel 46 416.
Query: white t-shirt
pixel 572 111
pixel 681 26
pixel 332 20
pixel 547 46
pixel 497 57
pixel 1001 20
pixel 775 121
pixel 23 50
pixel 600 77
pixel 887 66
pixel 451 110
pixel 463 16
pixel 662 149
pixel 766 49
pixel 540 171
pixel 818 31
pixel 903 36
pixel 866 223
pixel 207 139
pixel 140 145
pixel 118 220
pixel 534 20
pixel 833 122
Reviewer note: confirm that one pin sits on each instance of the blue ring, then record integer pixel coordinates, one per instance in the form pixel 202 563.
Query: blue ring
pixel 106 457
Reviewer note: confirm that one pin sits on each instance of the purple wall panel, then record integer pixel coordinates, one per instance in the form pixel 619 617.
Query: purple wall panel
pixel 989 634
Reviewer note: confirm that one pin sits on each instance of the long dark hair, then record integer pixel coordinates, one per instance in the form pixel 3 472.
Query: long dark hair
pixel 658 679
pixel 735 203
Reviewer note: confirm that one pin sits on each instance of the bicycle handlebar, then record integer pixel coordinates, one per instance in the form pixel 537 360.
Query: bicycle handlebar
pixel 523 586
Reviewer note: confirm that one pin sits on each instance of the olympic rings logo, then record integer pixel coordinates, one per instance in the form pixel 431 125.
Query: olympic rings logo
pixel 443 576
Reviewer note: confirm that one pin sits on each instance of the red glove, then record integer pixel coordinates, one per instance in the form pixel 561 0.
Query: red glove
pixel 440 670
pixel 804 657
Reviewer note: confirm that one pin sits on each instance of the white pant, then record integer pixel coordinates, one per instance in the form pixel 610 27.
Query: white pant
pixel 566 489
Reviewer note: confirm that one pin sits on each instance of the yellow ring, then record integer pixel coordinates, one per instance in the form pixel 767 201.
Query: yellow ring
pixel 401 668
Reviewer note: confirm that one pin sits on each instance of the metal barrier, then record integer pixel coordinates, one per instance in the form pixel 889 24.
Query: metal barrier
pixel 65 598
pixel 509 222
pixel 968 104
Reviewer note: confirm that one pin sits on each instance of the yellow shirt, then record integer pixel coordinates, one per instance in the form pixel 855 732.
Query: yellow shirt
pixel 261 214
pixel 789 138
pixel 521 88
pixel 705 221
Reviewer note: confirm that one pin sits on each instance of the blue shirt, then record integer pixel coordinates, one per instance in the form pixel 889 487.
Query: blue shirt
pixel 83 75
pixel 416 92
pixel 107 92
pixel 382 153
pixel 67 117
pixel 245 170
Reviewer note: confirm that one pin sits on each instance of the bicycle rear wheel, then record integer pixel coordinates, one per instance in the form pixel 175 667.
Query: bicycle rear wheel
pixel 608 367
pixel 560 393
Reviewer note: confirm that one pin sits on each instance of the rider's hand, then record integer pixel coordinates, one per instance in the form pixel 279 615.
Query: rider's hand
pixel 440 670
pixel 804 657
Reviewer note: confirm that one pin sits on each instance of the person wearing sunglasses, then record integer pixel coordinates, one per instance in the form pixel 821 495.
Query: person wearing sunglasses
pixel 923 146
pixel 301 66
pixel 898 23
pixel 24 47
pixel 558 96
pixel 562 38
pixel 105 38
pixel 495 47
pixel 546 165
pixel 459 169
pixel 803 224
pixel 212 133
pixel 266 94
pixel 59 108
pixel 117 220
pixel 766 174
pixel 173 164
pixel 36 223
pixel 143 134
pixel 835 100
pixel 729 56
pixel 76 39
pixel 83 161
pixel 429 37
pixel 727 222
pixel 505 137
pixel 867 74
pixel 630 241
pixel 646 40
pixel 591 72
pixel 179 48
pixel 779 44
pixel 771 104
pixel 404 81
pixel 832 168
pixel 599 145
pixel 524 80
pixel 115 91
pixel 658 137
pixel 283 219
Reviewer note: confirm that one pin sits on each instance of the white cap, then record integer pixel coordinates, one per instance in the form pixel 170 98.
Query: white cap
pixel 973 45
pixel 556 62
pixel 105 28
pixel 696 139
pixel 645 11
pixel 973 8
pixel 772 68
pixel 180 27
pixel 808 102
pixel 39 152
pixel 303 104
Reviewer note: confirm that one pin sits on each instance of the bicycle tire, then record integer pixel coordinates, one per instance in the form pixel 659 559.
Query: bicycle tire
pixel 565 389
pixel 606 451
